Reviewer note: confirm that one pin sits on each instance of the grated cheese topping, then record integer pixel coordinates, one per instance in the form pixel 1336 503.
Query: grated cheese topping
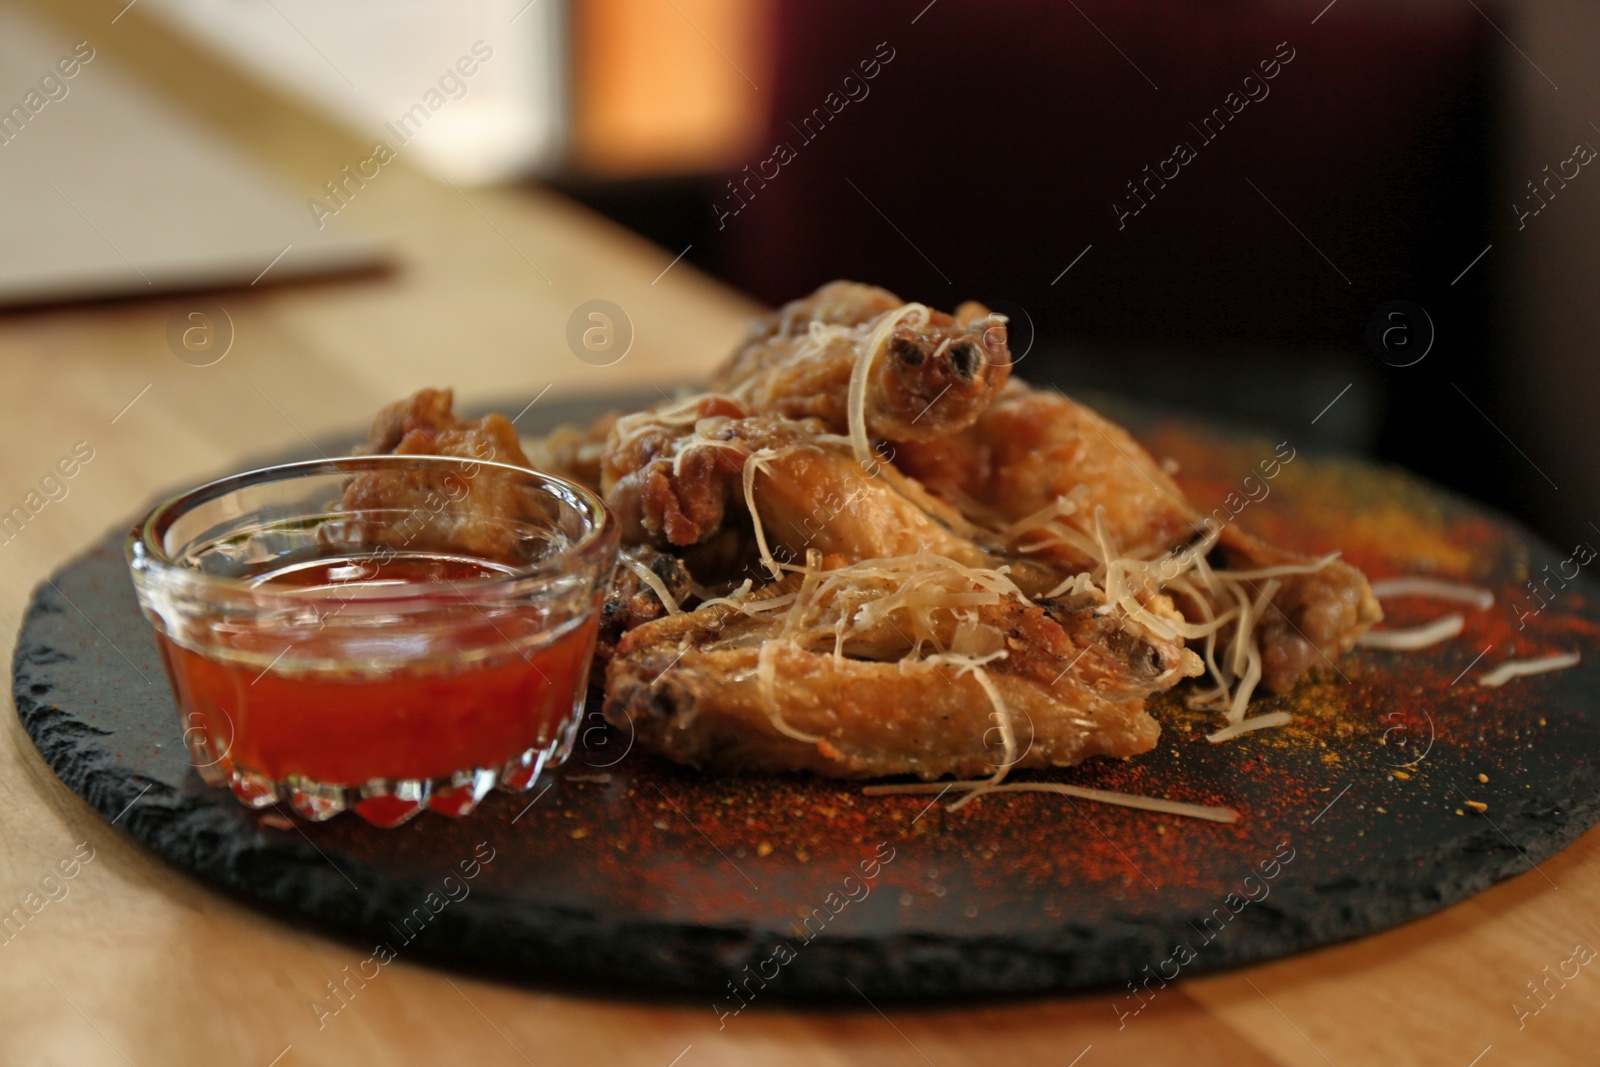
pixel 925 610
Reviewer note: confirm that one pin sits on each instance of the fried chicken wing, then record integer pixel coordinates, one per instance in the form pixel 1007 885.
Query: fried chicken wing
pixel 929 375
pixel 466 511
pixel 675 485
pixel 1038 452
pixel 982 680
pixel 1317 616
pixel 424 424
pixel 1032 448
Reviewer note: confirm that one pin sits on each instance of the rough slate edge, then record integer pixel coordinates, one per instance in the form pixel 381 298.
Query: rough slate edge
pixel 198 831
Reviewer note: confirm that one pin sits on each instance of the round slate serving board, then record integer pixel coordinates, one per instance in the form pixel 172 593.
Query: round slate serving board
pixel 623 872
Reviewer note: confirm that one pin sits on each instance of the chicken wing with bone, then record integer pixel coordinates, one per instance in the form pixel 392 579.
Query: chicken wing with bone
pixel 674 476
pixel 909 665
pixel 916 374
pixel 1071 489
pixel 909 372
pixel 465 510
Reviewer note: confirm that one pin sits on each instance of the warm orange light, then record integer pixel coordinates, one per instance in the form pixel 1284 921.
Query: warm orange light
pixel 667 86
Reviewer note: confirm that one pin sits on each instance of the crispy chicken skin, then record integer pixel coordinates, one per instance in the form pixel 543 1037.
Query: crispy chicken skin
pixel 935 375
pixel 467 511
pixel 631 602
pixel 672 486
pixel 424 424
pixel 813 496
pixel 1075 684
pixel 1033 446
pixel 573 452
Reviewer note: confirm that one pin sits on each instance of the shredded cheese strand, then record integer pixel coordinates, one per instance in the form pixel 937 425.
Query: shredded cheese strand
pixel 1183 585
pixel 1008 733
pixel 735 599
pixel 1247 685
pixel 1044 517
pixel 1409 640
pixel 1077 585
pixel 754 463
pixel 683 412
pixel 981 787
pixel 1237 657
pixel 1521 668
pixel 856 399
pixel 1439 588
pixel 1252 668
pixel 1244 726
pixel 1282 569
pixel 657 586
pixel 767 679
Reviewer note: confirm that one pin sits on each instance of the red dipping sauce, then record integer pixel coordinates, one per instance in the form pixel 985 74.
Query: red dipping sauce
pixel 411 651
pixel 430 718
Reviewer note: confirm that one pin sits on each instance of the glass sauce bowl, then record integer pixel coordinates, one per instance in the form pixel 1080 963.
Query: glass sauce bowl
pixel 376 633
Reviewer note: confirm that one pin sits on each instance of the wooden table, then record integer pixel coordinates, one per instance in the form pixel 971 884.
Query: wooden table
pixel 141 964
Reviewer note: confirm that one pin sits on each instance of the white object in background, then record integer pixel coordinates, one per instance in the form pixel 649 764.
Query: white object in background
pixel 105 190
pixel 371 62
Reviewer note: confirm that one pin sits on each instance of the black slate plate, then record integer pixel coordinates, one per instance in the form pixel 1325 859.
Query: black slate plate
pixel 624 872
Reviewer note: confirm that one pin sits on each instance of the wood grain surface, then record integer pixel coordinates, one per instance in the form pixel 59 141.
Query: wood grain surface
pixel 130 962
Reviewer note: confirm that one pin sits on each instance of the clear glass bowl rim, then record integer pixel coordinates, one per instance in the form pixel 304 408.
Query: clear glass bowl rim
pixel 147 555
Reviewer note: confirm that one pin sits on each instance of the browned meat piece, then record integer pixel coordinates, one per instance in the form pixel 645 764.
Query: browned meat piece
pixel 668 473
pixel 809 491
pixel 573 452
pixel 631 600
pixel 459 511
pixel 930 373
pixel 1316 618
pixel 1072 682
pixel 1034 448
pixel 423 424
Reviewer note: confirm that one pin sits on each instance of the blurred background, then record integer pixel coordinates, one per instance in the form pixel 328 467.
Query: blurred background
pixel 1360 225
